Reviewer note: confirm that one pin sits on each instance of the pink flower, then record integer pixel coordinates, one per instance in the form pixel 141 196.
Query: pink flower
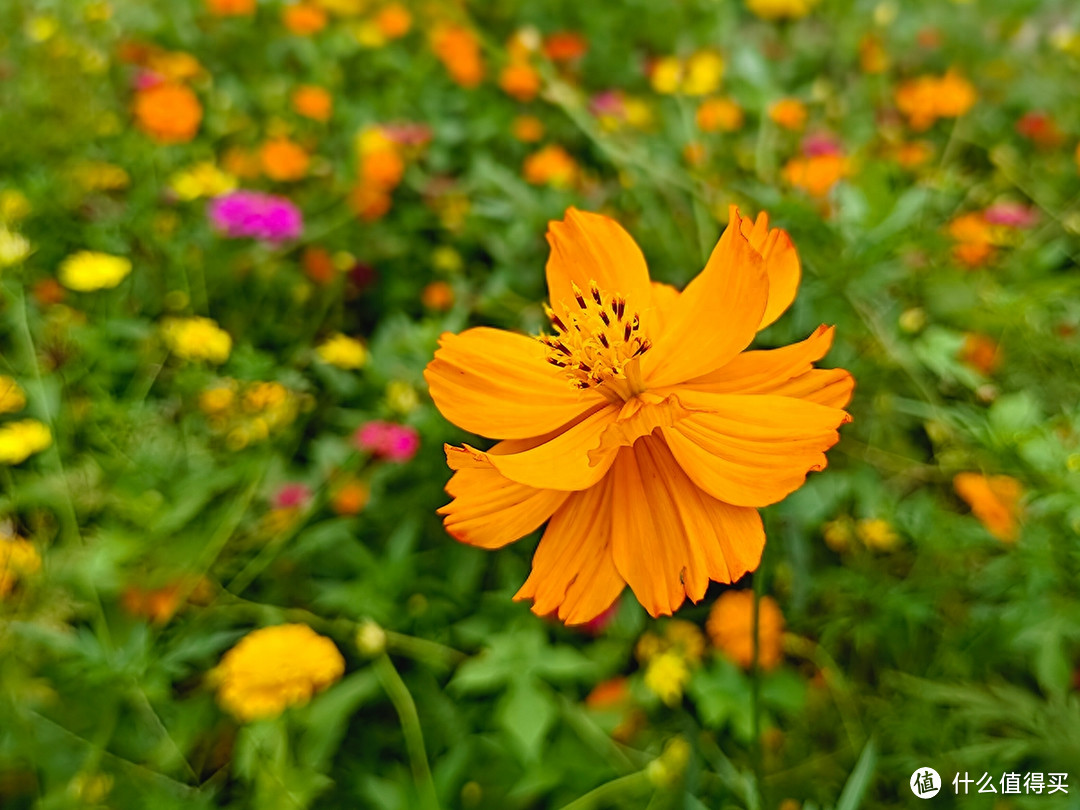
pixel 608 102
pixel 387 440
pixel 819 144
pixel 254 215
pixel 292 496
pixel 1014 215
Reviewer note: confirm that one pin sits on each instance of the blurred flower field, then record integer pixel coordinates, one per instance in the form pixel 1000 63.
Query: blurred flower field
pixel 267 269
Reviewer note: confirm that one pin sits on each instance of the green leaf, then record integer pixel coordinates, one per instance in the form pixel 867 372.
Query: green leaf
pixel 526 713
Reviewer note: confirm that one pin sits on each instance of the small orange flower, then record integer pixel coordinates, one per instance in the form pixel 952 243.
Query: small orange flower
pixel 318 265
pixel 284 160
pixel 719 115
pixel 694 153
pixel 313 102
pixel 1041 129
pixel 242 163
pixel 520 80
pixel 981 353
pixel 394 21
pixel 789 113
pixel 168 113
pixel 816 174
pixel 640 430
pixel 303 19
pixel 974 238
pixel 382 168
pixel 552 166
pixel 350 498
pixel 565 46
pixel 438 295
pixel 872 55
pixel 731 627
pixel 231 8
pixel 459 51
pixel 528 128
pixel 994 500
pixel 370 203
pixel 925 99
pixel 156 604
pixel 913 154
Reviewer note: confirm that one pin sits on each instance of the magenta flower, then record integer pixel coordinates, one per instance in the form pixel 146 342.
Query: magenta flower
pixel 819 144
pixel 293 495
pixel 387 440
pixel 253 215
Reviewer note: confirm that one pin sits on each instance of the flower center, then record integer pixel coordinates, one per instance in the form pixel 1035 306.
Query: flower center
pixel 597 342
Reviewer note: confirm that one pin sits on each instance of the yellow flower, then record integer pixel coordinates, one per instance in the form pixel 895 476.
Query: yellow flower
pixel 274 668
pixel 704 70
pixel 666 676
pixel 20 440
pixel 201 180
pixel 18 558
pixel 342 351
pixel 877 534
pixel 12 398
pixel 98 175
pixel 780 9
pixel 666 75
pixel 197 339
pixel 88 270
pixel 13 205
pixel 402 397
pixel 14 247
pixel 217 400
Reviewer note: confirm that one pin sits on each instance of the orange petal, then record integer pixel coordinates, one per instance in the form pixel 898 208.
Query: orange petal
pixel 639 417
pixel 664 297
pixel 753 450
pixel 715 317
pixel 668 537
pixel 499 384
pixel 788 371
pixel 572 570
pixel 781 265
pixel 588 247
pixel 490 510
pixel 561 462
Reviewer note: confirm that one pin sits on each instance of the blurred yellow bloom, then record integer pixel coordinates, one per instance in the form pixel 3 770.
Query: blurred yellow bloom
pixel 402 397
pixel 668 768
pixel 877 534
pixel 201 180
pixel 780 9
pixel 838 534
pixel 13 205
pixel 666 676
pixel 14 247
pixel 18 558
pixel 98 175
pixel 345 8
pixel 89 270
pixel 704 71
pixel 342 351
pixel 197 339
pixel 666 75
pixel 20 440
pixel 274 668
pixel 12 397
pixel 218 399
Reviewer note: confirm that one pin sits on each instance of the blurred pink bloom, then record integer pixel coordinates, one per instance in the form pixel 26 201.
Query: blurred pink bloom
pixel 145 79
pixel 609 102
pixel 1014 215
pixel 292 496
pixel 387 440
pixel 599 624
pixel 254 215
pixel 408 133
pixel 821 143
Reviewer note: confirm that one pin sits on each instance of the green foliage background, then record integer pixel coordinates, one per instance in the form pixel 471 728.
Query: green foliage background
pixel 954 650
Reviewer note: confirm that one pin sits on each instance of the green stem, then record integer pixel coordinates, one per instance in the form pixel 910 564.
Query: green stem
pixel 405 707
pixel 609 791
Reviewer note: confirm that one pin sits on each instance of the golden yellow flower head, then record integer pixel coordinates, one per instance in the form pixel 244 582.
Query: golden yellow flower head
pixel 20 440
pixel 89 270
pixel 731 627
pixel 666 676
pixel 201 180
pixel 877 534
pixel 780 9
pixel 342 351
pixel 698 75
pixel 18 558
pixel 197 339
pixel 13 205
pixel 14 247
pixel 274 668
pixel 12 398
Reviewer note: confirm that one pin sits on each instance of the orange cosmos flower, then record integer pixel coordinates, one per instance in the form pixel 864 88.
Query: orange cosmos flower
pixel 284 160
pixel 816 174
pixel 520 80
pixel 394 21
pixel 641 431
pixel 719 115
pixel 974 238
pixel 168 113
pixel 231 8
pixel 303 19
pixel 459 51
pixel 981 353
pixel 789 113
pixel 565 46
pixel 552 166
pixel 994 500
pixel 313 102
pixel 731 629
pixel 528 128
pixel 925 99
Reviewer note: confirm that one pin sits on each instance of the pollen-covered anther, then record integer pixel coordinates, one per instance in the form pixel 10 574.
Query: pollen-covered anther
pixel 595 342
